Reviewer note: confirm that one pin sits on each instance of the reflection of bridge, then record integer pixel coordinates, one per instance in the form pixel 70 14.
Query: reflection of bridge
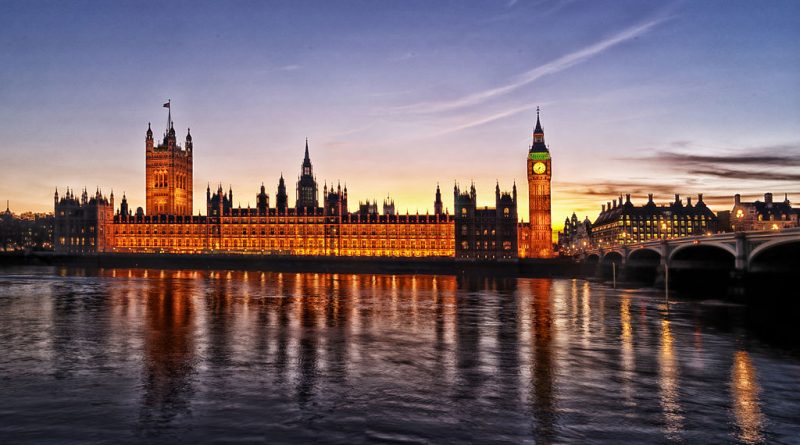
pixel 700 259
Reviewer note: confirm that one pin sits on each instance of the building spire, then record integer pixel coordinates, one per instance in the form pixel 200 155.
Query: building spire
pixel 538 129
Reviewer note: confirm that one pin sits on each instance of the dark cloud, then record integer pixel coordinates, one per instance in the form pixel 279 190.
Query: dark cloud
pixel 593 194
pixel 613 189
pixel 747 174
pixel 784 155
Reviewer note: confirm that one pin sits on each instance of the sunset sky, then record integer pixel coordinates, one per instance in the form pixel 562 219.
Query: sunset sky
pixel 394 96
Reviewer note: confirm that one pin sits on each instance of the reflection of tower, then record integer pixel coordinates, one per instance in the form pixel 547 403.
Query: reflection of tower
pixel 168 173
pixel 168 351
pixel 308 343
pixel 744 389
pixel 668 379
pixel 543 364
pixel 539 176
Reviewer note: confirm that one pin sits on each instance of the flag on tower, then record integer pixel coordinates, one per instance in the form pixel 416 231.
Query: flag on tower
pixel 166 105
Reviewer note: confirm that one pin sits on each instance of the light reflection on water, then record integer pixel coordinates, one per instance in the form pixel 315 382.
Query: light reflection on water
pixel 152 356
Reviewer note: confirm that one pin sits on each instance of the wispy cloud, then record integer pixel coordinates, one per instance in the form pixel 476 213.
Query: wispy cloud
pixel 404 56
pixel 287 68
pixel 555 66
pixel 485 119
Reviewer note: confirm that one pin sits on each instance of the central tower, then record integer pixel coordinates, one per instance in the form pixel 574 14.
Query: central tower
pixel 307 187
pixel 168 172
pixel 539 176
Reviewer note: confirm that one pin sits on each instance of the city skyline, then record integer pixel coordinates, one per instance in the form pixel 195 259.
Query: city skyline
pixel 657 99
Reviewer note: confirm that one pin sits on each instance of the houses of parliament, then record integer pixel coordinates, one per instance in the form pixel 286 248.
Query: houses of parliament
pixel 90 223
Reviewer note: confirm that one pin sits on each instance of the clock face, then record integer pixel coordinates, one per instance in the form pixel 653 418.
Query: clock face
pixel 539 168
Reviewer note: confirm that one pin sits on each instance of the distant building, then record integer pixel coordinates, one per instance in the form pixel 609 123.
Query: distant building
pixel 83 225
pixel 625 223
pixel 26 231
pixel 577 235
pixel 766 215
pixel 488 233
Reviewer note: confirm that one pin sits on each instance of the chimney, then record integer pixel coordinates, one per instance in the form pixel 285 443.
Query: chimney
pixel 608 205
pixel 689 201
pixel 649 197
pixel 677 198
pixel 628 198
pixel 604 208
pixel 768 198
pixel 699 198
pixel 737 199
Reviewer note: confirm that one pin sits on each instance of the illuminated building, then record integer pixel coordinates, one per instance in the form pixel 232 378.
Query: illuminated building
pixel 88 225
pixel 485 233
pixel 625 223
pixel 539 177
pixel 767 215
pixel 313 226
pixel 168 173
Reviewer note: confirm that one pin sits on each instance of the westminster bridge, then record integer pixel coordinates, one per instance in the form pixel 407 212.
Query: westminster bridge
pixel 732 262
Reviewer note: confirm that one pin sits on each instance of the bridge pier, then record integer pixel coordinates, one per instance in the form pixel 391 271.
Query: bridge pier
pixel 663 264
pixel 739 275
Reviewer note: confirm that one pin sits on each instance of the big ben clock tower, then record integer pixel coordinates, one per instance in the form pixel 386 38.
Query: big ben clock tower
pixel 539 175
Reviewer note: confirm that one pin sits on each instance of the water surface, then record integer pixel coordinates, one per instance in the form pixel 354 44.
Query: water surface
pixel 149 356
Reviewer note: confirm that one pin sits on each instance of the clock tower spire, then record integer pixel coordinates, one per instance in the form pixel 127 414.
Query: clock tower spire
pixel 539 205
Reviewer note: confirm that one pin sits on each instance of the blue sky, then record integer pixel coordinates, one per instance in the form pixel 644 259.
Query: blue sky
pixel 395 96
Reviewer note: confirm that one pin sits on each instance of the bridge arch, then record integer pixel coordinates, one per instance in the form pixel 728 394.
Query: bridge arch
pixel 611 264
pixel 642 265
pixel 589 264
pixel 762 248
pixel 643 251
pixel 606 253
pixel 726 247
pixel 702 269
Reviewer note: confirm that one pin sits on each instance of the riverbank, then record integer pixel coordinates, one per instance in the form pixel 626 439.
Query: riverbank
pixel 536 268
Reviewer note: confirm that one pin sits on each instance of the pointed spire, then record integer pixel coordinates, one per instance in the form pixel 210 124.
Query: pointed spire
pixel 307 158
pixel 538 129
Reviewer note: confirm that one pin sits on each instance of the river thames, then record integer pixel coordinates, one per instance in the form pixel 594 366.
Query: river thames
pixel 151 356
